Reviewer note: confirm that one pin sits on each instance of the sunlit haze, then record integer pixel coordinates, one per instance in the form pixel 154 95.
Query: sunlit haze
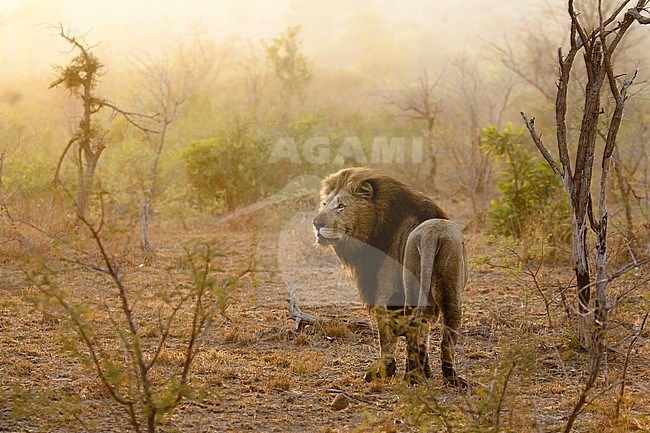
pixel 333 32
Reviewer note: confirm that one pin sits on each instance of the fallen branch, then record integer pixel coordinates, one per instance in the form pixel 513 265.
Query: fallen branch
pixel 351 397
pixel 303 319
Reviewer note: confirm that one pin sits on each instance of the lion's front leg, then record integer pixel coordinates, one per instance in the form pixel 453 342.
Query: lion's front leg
pixel 385 366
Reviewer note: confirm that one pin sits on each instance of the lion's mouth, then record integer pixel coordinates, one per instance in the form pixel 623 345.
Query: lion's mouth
pixel 327 236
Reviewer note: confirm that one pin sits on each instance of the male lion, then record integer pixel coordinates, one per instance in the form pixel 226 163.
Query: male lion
pixel 408 261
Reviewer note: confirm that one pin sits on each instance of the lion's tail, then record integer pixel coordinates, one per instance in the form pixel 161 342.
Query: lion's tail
pixel 419 263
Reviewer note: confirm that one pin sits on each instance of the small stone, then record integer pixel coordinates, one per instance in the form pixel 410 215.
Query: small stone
pixel 340 402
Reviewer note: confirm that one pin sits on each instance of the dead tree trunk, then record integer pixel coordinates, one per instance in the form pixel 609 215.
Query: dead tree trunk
pixel 80 77
pixel 157 143
pixel 597 47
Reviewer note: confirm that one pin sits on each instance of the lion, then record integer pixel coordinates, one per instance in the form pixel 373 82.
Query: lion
pixel 408 260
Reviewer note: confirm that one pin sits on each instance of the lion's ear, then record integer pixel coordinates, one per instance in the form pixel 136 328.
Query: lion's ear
pixel 366 190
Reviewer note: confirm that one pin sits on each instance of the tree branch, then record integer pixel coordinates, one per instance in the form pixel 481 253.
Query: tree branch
pixel 577 27
pixel 636 13
pixel 128 115
pixel 540 145
pixel 63 154
pixel 566 63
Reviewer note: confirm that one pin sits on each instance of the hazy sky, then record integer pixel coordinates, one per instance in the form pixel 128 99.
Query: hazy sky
pixel 28 45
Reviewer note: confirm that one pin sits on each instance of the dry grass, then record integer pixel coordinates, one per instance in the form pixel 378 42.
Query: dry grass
pixel 255 374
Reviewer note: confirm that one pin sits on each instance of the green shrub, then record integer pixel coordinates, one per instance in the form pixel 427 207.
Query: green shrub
pixel 228 168
pixel 532 203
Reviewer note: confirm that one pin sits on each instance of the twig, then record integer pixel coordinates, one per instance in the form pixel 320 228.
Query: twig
pixel 165 329
pixel 340 391
pixel 540 145
pixel 436 409
pixel 547 302
pixel 114 272
pixel 621 271
pixel 597 359
pixel 60 161
pixel 128 115
pixel 502 395
pixel 619 401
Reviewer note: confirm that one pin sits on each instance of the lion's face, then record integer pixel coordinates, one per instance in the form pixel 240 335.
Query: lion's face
pixel 344 215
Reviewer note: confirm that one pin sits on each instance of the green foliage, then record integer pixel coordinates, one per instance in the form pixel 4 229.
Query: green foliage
pixel 26 175
pixel 289 64
pixel 303 128
pixel 228 168
pixel 130 157
pixel 532 203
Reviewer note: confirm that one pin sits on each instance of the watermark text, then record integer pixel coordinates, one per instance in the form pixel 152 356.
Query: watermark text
pixel 319 150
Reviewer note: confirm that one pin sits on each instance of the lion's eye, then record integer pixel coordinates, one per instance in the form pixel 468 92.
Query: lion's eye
pixel 341 206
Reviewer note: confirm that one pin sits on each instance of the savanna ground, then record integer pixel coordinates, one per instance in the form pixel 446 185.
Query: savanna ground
pixel 255 373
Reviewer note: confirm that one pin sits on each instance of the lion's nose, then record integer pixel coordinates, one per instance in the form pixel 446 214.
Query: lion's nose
pixel 318 224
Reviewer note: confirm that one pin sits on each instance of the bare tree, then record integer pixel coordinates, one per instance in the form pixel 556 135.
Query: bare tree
pixel 484 100
pixel 598 46
pixel 81 78
pixel 422 102
pixel 167 87
pixel 255 76
pixel 531 61
pixel 536 69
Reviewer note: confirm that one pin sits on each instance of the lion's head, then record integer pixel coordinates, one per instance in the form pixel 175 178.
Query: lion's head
pixel 348 209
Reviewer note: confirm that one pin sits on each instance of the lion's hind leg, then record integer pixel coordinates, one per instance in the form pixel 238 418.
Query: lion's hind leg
pixel 451 317
pixel 450 276
pixel 420 306
pixel 442 276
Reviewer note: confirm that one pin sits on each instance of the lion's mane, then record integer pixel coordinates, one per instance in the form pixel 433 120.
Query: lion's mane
pixel 381 230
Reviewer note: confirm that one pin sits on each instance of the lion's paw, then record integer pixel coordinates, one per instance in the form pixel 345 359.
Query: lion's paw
pixel 417 371
pixel 380 370
pixel 451 378
pixel 457 382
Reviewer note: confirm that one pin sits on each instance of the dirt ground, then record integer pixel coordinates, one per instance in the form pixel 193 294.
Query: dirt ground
pixel 257 374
